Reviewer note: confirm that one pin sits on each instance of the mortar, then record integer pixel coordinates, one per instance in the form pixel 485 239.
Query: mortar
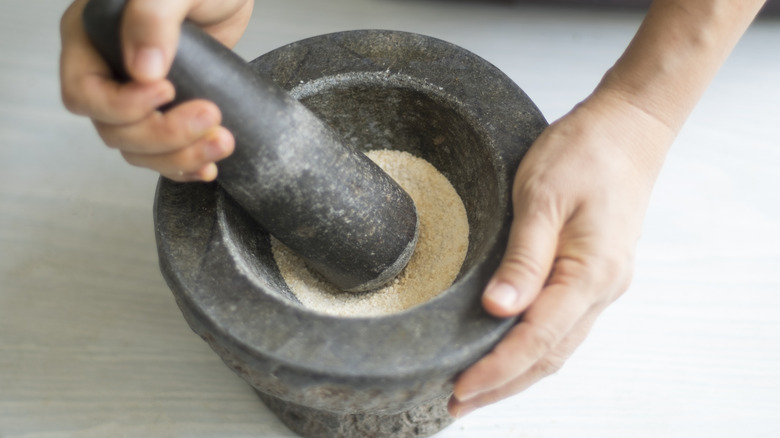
pixel 327 376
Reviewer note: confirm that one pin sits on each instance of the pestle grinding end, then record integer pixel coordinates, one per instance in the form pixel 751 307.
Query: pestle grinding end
pixel 395 268
pixel 350 222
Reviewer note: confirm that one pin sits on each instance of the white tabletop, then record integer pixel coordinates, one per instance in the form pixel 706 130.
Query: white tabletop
pixel 93 345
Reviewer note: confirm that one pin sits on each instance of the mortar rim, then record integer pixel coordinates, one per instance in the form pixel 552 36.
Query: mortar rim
pixel 458 358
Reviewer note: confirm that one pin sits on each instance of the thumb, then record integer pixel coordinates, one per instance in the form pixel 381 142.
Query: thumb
pixel 533 240
pixel 150 35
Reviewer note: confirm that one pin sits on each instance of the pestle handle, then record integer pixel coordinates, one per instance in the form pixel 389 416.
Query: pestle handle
pixel 329 203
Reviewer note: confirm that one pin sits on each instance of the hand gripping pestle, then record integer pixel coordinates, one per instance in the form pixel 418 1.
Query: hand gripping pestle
pixel 327 202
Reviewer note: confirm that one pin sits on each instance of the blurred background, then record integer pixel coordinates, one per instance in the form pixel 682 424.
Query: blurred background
pixel 771 7
pixel 93 345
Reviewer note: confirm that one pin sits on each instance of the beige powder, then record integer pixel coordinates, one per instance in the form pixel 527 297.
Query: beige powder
pixel 441 248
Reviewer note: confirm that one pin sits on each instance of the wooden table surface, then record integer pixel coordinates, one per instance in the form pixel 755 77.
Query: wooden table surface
pixel 93 345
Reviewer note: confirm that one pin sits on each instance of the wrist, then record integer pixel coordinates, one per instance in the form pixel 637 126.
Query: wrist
pixel 625 125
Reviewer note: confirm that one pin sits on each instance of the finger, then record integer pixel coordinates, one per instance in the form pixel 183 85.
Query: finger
pixel 206 174
pixel 549 319
pixel 163 132
pixel 189 162
pixel 526 263
pixel 87 86
pixel 150 35
pixel 546 366
pixel 224 20
pixel 105 100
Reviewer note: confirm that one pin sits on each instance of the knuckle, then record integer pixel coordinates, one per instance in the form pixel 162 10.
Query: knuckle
pixel 539 202
pixel 131 137
pixel 108 136
pixel 614 273
pixel 536 192
pixel 522 265
pixel 65 20
pixel 132 159
pixel 74 92
pixel 621 274
pixel 69 18
pixel 543 338
pixel 126 113
pixel 602 276
pixel 575 271
pixel 146 12
pixel 187 159
pixel 71 101
pixel 550 365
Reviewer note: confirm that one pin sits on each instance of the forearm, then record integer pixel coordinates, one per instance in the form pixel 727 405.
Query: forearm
pixel 581 191
pixel 675 54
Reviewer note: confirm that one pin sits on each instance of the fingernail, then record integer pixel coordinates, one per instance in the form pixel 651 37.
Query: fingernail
pixel 502 294
pixel 462 412
pixel 164 95
pixel 208 172
pixel 465 396
pixel 215 148
pixel 149 63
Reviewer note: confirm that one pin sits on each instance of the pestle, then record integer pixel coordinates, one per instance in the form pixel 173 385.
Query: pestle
pixel 326 201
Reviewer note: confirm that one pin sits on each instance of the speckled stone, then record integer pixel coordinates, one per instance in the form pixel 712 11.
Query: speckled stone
pixel 358 377
pixel 422 420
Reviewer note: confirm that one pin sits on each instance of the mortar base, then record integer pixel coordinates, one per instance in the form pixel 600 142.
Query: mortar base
pixel 419 422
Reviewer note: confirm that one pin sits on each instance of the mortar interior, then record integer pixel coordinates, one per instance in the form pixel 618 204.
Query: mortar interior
pixel 374 111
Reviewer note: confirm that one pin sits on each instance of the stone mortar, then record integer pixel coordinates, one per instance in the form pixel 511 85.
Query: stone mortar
pixel 388 376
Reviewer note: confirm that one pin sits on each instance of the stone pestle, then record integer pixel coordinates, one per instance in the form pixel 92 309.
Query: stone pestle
pixel 325 200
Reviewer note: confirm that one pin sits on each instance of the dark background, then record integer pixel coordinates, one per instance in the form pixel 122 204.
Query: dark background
pixel 771 7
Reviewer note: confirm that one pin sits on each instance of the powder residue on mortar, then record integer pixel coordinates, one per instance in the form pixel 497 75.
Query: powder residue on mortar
pixel 440 251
